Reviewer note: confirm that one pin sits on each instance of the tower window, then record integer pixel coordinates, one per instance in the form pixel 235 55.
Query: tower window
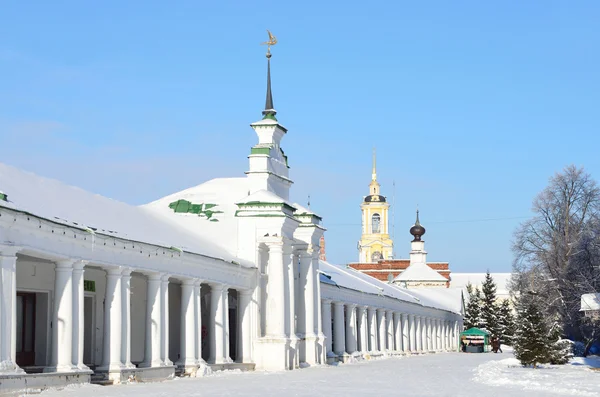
pixel 375 223
pixel 376 256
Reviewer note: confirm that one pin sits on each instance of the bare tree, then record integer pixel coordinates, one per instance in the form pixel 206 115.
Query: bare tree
pixel 557 251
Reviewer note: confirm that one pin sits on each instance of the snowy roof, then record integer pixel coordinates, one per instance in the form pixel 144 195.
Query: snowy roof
pixel 460 280
pixel 420 272
pixel 452 299
pixel 352 279
pixel 210 213
pixel 264 196
pixel 590 302
pixel 58 202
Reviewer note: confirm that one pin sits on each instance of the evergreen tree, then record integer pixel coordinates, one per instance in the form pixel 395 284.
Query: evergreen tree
pixel 531 346
pixel 489 308
pixel 506 322
pixel 560 350
pixel 473 309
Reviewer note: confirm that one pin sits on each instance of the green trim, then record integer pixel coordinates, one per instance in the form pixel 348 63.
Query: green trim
pixel 266 204
pixel 89 285
pixel 3 197
pixel 260 150
pixel 284 157
pixel 270 117
pixel 186 207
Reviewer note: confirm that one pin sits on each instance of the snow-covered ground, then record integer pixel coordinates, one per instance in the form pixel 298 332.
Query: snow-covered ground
pixel 449 374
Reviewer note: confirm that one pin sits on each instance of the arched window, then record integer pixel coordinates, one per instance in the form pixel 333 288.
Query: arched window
pixel 375 223
pixel 376 256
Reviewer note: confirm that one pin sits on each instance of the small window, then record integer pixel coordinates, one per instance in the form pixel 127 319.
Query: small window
pixel 375 224
pixel 376 256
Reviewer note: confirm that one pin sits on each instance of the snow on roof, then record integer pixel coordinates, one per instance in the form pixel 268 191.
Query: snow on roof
pixel 264 196
pixel 420 272
pixel 590 302
pixel 451 299
pixel 460 280
pixel 58 202
pixel 210 213
pixel 352 279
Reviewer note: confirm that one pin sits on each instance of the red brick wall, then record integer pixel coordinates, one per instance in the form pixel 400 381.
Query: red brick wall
pixel 396 266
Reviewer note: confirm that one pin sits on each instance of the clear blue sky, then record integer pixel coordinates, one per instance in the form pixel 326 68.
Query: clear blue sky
pixel 472 105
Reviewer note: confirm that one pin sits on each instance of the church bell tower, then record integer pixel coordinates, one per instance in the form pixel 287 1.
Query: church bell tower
pixel 375 243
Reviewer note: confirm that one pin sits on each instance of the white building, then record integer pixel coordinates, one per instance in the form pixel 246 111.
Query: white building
pixel 225 274
pixel 590 305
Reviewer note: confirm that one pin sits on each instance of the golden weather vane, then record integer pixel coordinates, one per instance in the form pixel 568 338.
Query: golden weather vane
pixel 272 41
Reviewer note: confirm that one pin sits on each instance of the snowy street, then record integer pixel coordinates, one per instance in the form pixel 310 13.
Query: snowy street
pixel 447 374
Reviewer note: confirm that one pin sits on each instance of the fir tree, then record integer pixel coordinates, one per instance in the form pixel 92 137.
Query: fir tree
pixel 560 350
pixel 530 343
pixel 506 322
pixel 489 308
pixel 473 309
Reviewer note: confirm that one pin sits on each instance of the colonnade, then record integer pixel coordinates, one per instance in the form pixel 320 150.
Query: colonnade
pixel 353 330
pixel 67 320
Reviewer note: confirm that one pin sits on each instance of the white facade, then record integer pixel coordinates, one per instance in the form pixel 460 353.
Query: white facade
pixel 222 275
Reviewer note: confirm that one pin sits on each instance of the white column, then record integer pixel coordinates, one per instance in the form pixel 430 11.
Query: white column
pixel 198 320
pixel 8 310
pixel 318 317
pixel 153 322
pixel 187 334
pixel 339 336
pixel 307 279
pixel 429 334
pixel 126 318
pixel 405 333
pixel 397 332
pixel 382 329
pixel 63 317
pixel 412 332
pixel 326 325
pixel 424 338
pixel 244 327
pixel 418 334
pixel 389 319
pixel 351 334
pixel 219 340
pixel 164 313
pixel 77 349
pixel 276 292
pixel 289 259
pixel 444 333
pixel 372 317
pixel 363 329
pixel 112 321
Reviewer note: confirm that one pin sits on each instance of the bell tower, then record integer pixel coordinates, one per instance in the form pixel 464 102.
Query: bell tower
pixel 375 243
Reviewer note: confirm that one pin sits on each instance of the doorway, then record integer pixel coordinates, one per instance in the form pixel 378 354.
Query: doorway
pixel 25 329
pixel 88 330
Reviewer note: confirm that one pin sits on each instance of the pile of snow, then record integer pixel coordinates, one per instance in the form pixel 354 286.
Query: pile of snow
pixel 576 378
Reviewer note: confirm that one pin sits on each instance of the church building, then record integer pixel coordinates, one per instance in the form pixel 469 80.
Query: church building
pixel 228 274
pixel 376 248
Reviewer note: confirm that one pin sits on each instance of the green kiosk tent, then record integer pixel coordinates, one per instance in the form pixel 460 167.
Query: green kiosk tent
pixel 475 340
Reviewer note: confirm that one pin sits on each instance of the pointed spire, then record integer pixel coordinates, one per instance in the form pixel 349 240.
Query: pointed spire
pixel 309 201
pixel 417 223
pixel 374 174
pixel 269 112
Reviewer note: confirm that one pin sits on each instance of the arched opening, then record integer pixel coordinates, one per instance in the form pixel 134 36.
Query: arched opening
pixel 375 223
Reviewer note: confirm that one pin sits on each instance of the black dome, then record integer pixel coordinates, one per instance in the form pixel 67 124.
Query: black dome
pixel 375 198
pixel 417 230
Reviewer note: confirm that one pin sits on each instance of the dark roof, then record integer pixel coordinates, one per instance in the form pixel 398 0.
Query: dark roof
pixel 377 198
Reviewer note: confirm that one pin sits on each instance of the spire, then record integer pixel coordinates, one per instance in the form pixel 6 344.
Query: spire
pixel 417 223
pixel 269 112
pixel 374 174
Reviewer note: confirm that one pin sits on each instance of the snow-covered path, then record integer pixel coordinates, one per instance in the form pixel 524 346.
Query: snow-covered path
pixel 449 374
